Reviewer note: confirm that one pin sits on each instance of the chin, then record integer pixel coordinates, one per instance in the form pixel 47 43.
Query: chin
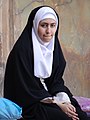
pixel 47 40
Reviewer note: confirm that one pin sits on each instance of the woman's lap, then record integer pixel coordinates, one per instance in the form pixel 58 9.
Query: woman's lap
pixel 54 112
pixel 45 111
pixel 51 112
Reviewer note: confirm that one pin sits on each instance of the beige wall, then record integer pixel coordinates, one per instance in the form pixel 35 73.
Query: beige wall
pixel 74 36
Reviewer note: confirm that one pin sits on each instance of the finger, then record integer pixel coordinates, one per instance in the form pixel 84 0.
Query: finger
pixel 74 119
pixel 72 107
pixel 73 115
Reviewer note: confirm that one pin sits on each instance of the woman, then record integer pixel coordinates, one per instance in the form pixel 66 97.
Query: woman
pixel 34 70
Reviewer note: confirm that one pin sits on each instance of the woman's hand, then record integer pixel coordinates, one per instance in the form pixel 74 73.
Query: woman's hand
pixel 69 109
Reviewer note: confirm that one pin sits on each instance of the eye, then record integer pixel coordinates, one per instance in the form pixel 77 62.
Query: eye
pixel 53 25
pixel 44 25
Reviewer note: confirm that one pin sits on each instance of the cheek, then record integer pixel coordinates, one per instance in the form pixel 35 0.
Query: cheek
pixel 40 32
pixel 54 30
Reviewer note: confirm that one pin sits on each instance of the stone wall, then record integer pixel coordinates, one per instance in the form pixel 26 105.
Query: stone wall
pixel 74 37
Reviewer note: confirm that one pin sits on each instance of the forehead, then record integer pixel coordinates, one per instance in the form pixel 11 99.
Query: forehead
pixel 48 20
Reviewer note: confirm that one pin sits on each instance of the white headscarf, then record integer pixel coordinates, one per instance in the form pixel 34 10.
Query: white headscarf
pixel 43 52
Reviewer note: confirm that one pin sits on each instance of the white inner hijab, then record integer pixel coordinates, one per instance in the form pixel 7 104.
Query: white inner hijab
pixel 43 52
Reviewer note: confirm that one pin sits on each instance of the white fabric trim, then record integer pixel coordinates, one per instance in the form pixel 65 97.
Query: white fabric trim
pixel 61 97
pixel 43 83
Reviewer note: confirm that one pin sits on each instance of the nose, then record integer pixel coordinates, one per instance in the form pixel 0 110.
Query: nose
pixel 48 30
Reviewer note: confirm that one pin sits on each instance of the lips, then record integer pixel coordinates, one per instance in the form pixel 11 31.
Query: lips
pixel 47 36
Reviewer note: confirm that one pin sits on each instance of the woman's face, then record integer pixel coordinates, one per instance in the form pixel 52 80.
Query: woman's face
pixel 46 29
